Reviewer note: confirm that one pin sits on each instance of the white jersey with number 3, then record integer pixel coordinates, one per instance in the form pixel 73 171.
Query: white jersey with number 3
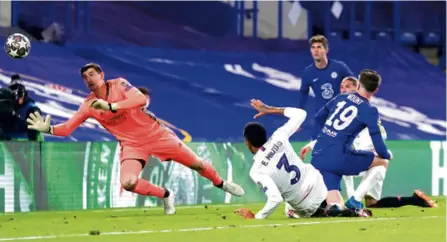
pixel 282 174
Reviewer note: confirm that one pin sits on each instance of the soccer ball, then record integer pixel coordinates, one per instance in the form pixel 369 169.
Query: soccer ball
pixel 17 46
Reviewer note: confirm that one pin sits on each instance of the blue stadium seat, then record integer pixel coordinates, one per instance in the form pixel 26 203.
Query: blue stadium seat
pixel 358 35
pixel 431 38
pixel 382 35
pixel 335 36
pixel 408 38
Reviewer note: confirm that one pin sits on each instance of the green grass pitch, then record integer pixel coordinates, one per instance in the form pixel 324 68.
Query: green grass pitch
pixel 216 223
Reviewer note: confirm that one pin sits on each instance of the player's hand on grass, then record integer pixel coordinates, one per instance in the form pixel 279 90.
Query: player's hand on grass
pixel 260 107
pixel 36 122
pixel 245 212
pixel 100 104
pixel 304 151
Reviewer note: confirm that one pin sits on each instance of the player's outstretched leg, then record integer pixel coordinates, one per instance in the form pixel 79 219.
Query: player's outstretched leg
pixel 129 172
pixel 419 199
pixel 170 147
pixel 206 170
pixel 375 174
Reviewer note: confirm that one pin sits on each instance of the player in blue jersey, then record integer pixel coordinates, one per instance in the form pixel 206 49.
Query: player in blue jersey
pixel 324 76
pixel 373 198
pixel 341 120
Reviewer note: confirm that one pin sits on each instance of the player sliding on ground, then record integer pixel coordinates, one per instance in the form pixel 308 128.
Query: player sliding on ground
pixel 278 169
pixel 373 198
pixel 117 106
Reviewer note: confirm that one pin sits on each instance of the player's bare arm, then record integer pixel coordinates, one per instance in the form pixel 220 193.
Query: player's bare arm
pixel 296 116
pixel 264 109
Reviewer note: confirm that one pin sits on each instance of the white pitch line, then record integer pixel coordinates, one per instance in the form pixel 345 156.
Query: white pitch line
pixel 209 206
pixel 214 228
pixel 118 210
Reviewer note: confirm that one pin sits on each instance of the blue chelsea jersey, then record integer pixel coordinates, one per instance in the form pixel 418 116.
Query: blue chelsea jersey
pixel 325 83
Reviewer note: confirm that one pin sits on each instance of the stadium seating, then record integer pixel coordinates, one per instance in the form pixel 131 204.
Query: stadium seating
pixel 212 89
pixel 185 20
pixel 177 24
pixel 202 84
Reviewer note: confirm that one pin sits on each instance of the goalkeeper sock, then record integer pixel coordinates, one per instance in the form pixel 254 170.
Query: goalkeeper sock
pixel 211 174
pixel 144 187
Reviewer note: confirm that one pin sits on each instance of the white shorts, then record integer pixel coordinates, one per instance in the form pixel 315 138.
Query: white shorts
pixel 313 200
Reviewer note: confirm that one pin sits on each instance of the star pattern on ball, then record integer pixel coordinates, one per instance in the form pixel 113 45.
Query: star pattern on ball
pixel 17 46
pixel 13 53
pixel 22 44
pixel 9 41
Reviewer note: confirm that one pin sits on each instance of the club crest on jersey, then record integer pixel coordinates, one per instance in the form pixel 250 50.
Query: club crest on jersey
pixel 328 92
pixel 334 75
pixel 126 85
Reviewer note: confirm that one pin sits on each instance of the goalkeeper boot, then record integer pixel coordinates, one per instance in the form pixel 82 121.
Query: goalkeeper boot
pixel 168 203
pixel 232 188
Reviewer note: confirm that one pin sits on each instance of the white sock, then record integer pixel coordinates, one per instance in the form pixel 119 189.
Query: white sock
pixel 372 176
pixel 349 182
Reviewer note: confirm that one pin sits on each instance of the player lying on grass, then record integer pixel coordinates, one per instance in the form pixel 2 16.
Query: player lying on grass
pixel 278 170
pixel 117 106
pixel 363 142
pixel 341 120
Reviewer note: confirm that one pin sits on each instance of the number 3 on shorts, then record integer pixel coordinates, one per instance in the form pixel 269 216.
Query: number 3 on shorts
pixel 345 118
pixel 283 162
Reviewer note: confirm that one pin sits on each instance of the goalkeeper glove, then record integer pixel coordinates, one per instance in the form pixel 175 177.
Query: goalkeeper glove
pixel 103 105
pixel 36 122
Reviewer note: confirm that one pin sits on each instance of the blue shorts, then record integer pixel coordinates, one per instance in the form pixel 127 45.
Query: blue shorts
pixel 331 180
pixel 333 167
pixel 357 161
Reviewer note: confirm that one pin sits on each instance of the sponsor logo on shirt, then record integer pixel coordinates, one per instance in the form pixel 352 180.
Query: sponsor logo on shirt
pixel 329 132
pixel 127 86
